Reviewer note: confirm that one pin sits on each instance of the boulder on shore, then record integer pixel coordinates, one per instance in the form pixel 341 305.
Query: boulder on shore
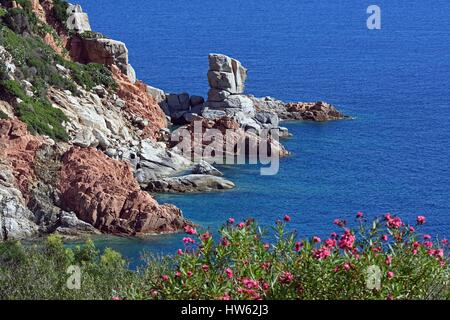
pixel 204 167
pixel 189 184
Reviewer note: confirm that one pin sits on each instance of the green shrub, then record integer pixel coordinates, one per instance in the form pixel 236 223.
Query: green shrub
pixel 38 113
pixel 60 11
pixel 3 12
pixel 92 35
pixel 242 264
pixel 3 116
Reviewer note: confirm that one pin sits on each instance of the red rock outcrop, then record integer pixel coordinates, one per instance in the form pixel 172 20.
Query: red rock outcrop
pixel 18 150
pixel 104 193
pixel 313 111
pixel 140 104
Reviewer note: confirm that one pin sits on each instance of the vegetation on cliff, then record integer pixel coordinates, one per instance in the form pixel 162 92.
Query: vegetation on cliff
pixel 21 34
pixel 386 259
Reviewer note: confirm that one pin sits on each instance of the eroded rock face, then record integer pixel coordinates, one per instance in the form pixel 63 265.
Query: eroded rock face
pixel 17 153
pixel 18 150
pixel 16 221
pixel 140 104
pixel 104 51
pixel 103 192
pixel 94 121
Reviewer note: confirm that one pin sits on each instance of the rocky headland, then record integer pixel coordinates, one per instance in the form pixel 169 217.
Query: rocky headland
pixel 84 143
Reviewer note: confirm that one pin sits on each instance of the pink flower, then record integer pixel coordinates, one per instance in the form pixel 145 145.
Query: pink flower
pixel 298 246
pixel 416 244
pixel 322 253
pixel 226 296
pixel 445 242
pixel 330 243
pixel 241 225
pixel 428 244
pixel 439 253
pixel 266 246
pixel 394 223
pixel 360 215
pixel 384 237
pixel 190 230
pixel 415 251
pixel 286 277
pixel 388 260
pixel 205 267
pixel 205 236
pixel 340 223
pixel 411 229
pixel 154 293
pixel 316 239
pixel 180 252
pixel 265 286
pixel 421 220
pixel 334 235
pixel 265 265
pixel 287 218
pixel 188 240
pixel 249 283
pixel 225 242
pixel 189 274
pixel 229 273
pixel 387 216
pixel 165 278
pixel 390 275
pixel 116 298
pixel 177 274
pixel 231 220
pixel 347 241
pixel 346 266
pixel 427 237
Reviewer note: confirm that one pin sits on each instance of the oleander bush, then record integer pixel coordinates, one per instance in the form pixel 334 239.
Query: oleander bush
pixel 385 259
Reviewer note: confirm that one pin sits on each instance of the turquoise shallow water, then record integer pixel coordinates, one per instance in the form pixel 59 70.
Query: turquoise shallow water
pixel 393 157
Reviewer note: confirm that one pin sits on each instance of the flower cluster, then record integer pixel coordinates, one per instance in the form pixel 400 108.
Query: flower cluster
pixel 244 265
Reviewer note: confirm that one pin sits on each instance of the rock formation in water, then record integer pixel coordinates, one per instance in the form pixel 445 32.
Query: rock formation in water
pixel 309 111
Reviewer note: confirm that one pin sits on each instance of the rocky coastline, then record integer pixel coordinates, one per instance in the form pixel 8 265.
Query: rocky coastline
pixel 84 143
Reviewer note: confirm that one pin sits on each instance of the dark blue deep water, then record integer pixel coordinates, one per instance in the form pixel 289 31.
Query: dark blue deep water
pixel 393 157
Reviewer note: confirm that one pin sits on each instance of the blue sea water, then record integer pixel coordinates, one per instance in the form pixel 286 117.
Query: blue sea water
pixel 394 157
